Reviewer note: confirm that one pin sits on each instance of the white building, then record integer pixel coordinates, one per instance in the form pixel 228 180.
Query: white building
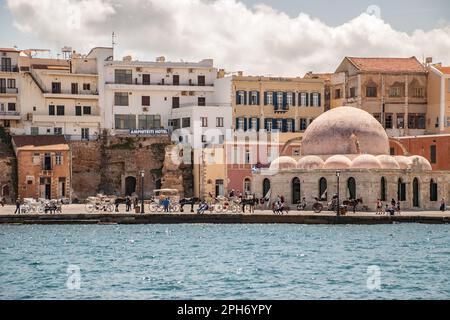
pixel 9 82
pixel 141 95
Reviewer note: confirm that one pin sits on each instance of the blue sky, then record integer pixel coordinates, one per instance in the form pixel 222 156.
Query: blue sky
pixel 226 30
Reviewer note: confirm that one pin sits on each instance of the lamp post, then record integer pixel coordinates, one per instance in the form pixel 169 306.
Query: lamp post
pixel 142 190
pixel 338 174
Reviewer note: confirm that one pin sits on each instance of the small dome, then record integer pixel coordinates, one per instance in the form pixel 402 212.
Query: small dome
pixel 403 161
pixel 421 163
pixel 284 162
pixel 310 162
pixel 388 162
pixel 366 161
pixel 337 162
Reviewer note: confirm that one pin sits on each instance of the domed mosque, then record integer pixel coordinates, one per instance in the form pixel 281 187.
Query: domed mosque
pixel 351 143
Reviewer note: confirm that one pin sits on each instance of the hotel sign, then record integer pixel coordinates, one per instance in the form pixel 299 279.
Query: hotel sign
pixel 149 132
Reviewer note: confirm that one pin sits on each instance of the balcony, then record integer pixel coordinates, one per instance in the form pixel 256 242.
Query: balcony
pixel 158 87
pixel 46 173
pixel 182 105
pixel 10 115
pixel 9 68
pixel 67 94
pixel 6 91
pixel 71 119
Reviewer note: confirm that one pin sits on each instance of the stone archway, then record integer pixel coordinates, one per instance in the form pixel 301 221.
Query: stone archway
pixel 295 190
pixel 401 145
pixel 130 185
pixel 416 192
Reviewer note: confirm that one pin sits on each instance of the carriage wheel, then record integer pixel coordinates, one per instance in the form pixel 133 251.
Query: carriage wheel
pixel 110 207
pixel 160 208
pixel 218 208
pixel 153 207
pixel 89 207
pixel 317 207
pixel 248 208
pixel 175 208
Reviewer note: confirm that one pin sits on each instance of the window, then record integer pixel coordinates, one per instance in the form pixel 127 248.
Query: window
pixel 47 164
pixel 36 159
pixel 240 97
pixel 337 93
pixel 280 124
pixel 416 121
pixel 11 106
pixel 247 185
pixel 146 79
pixel 175 102
pixel 121 98
pixel 219 122
pixel 56 87
pixel 315 100
pixel 150 121
pixel 78 111
pixel 377 116
pixel 418 92
pixel 59 110
pixel 11 83
pixel 383 189
pixel 176 124
pixel 186 122
pixel 323 192
pixel 401 190
pixel 395 92
pixel 254 123
pixel 247 156
pixel 400 121
pixel 289 99
pixel 433 190
pixel 254 98
pixel 303 124
pixel 303 99
pixel 201 80
pixel 84 133
pixel 74 87
pixel 204 121
pixel 388 121
pixel 201 101
pixel 352 92
pixel 289 126
pixel 58 159
pixel 86 86
pixel 269 97
pixel 51 110
pixel 203 138
pixel 123 76
pixel 433 153
pixel 392 151
pixel 86 110
pixel 280 99
pixel 57 131
pixel 34 131
pixel 269 125
pixel 176 80
pixel 6 64
pixel 221 139
pixel 371 92
pixel 125 121
pixel 351 188
pixel 240 124
pixel 146 101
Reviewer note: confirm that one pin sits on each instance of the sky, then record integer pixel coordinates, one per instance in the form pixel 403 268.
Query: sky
pixel 259 37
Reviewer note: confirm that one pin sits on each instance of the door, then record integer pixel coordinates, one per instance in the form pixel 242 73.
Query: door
pixel 351 186
pixel 45 188
pixel 74 88
pixel 295 190
pixel 201 80
pixel 176 80
pixel 146 79
pixel 130 186
pixel 266 187
pixel 2 85
pixel 416 192
pixel 219 188
pixel 62 188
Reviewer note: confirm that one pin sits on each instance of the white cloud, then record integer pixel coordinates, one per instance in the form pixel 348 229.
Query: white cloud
pixel 258 40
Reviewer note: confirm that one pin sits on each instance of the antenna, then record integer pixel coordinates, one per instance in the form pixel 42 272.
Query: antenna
pixel 113 40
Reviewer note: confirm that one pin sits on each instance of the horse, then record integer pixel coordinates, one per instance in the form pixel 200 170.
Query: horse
pixel 188 201
pixel 249 202
pixel 352 203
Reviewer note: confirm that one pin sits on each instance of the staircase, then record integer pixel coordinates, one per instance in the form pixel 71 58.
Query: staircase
pixel 37 80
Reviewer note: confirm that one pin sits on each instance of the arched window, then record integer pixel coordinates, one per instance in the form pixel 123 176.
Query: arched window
pixel 323 192
pixel 433 190
pixel 295 190
pixel 383 189
pixel 351 186
pixel 247 185
pixel 266 187
pixel 416 192
pixel 401 190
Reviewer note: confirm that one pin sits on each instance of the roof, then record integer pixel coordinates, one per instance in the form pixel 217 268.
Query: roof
pixel 445 70
pixel 38 141
pixel 8 50
pixel 387 64
pixel 323 76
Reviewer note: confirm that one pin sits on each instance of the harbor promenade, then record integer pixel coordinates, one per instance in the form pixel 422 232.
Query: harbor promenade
pixel 76 214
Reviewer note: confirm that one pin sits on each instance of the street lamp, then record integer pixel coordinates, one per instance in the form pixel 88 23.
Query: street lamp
pixel 338 174
pixel 142 190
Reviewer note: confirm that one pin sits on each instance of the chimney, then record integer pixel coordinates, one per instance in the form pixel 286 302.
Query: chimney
pixel 161 59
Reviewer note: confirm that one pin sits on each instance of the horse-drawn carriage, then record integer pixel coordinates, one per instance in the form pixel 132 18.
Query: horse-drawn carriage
pixel 100 203
pixel 159 195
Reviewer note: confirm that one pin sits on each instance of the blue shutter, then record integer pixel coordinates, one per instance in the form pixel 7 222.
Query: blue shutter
pixel 245 98
pixel 319 99
pixel 250 123
pixel 284 125
pixel 238 98
pixel 266 121
pixel 307 99
pixel 293 99
pixel 257 124
pixel 300 99
pixel 237 123
pixel 265 98
pixel 257 98
pixel 275 101
pixel 284 100
pixel 274 124
pixel 293 125
pixel 245 124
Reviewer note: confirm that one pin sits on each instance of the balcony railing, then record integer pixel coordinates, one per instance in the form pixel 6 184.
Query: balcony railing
pixel 9 90
pixel 80 92
pixel 73 137
pixel 9 68
pixel 9 113
pixel 161 84
pixel 193 104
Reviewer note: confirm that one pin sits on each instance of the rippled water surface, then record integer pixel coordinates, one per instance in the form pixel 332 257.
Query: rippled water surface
pixel 225 261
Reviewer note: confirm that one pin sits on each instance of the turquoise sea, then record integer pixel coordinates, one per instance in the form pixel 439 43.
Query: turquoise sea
pixel 225 262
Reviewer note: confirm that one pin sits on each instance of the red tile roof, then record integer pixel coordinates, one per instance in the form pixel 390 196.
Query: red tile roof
pixel 8 50
pixel 387 64
pixel 445 70
pixel 37 141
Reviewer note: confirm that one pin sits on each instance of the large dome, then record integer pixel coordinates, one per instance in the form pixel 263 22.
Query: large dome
pixel 345 130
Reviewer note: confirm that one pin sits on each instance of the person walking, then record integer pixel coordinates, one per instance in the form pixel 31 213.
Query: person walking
pixel 166 204
pixel 398 206
pixel 18 203
pixel 442 207
pixel 128 203
pixel 2 202
pixel 379 206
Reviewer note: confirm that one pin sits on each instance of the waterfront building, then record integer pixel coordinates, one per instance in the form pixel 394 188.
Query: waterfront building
pixel 393 90
pixel 43 166
pixel 349 142
pixel 438 113
pixel 9 84
pixel 326 77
